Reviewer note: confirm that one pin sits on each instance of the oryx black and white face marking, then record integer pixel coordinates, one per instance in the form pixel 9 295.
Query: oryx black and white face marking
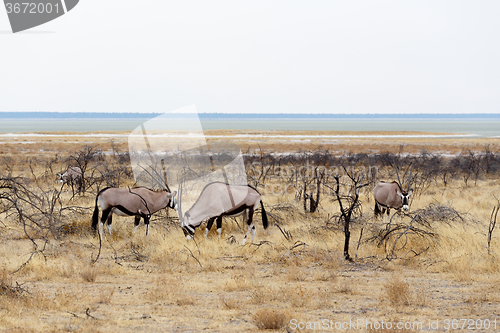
pixel 188 232
pixel 390 196
pixel 72 177
pixel 404 199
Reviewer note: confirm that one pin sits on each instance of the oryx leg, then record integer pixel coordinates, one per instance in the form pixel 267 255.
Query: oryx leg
pixel 382 212
pixel 379 210
pixel 219 225
pixel 146 222
pixel 209 225
pixel 109 221
pixel 248 216
pixel 188 232
pixel 137 221
pixel 104 218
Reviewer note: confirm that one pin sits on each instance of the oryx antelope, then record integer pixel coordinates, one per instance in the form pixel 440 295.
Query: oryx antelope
pixel 391 195
pixel 72 176
pixel 219 199
pixel 138 202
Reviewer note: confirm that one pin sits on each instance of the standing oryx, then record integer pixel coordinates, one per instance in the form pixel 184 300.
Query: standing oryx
pixel 391 195
pixel 72 176
pixel 138 202
pixel 219 199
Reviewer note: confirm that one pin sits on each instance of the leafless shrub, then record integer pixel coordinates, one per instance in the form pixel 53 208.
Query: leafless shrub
pixel 395 236
pixel 350 205
pixel 8 288
pixel 113 175
pixel 443 214
pixel 38 209
pixel 83 160
pixel 492 223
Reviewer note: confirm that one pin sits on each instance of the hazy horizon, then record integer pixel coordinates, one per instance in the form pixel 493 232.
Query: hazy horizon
pixel 233 114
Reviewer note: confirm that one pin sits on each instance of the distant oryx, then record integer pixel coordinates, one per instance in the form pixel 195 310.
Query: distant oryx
pixel 391 195
pixel 72 176
pixel 138 202
pixel 219 199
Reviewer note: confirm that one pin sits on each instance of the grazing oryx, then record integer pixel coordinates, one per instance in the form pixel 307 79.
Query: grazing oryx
pixel 138 202
pixel 218 200
pixel 72 176
pixel 391 195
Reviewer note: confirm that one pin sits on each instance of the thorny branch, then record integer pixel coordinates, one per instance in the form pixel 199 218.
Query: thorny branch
pixel 493 222
pixel 287 234
pixel 192 255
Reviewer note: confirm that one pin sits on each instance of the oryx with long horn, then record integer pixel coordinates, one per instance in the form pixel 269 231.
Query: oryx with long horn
pixel 138 202
pixel 391 195
pixel 71 177
pixel 220 199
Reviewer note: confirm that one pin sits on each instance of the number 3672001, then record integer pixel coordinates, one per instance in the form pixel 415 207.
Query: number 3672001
pixel 470 324
pixel 31 8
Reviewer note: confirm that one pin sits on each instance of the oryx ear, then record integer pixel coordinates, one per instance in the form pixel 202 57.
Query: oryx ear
pixel 410 192
pixel 399 193
pixel 174 193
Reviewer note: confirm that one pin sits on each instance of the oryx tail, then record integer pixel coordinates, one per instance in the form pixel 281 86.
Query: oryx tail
pixel 265 222
pixel 377 210
pixel 95 216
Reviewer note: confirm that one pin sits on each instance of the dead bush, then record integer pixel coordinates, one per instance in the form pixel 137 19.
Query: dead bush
pixel 271 319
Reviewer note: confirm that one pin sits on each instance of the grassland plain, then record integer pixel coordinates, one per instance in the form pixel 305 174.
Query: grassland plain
pixel 162 283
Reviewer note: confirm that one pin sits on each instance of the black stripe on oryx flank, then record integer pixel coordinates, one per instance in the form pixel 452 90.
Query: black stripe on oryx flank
pixel 128 212
pixel 235 211
pixel 383 206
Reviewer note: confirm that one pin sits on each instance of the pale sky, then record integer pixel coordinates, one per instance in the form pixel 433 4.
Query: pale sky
pixel 257 57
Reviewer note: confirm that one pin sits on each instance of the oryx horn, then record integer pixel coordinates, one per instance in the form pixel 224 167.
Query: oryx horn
pixel 181 217
pixel 397 173
pixel 409 179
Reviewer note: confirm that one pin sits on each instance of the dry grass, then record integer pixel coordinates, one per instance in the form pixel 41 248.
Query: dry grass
pixel 230 303
pixel 345 287
pixel 105 295
pixel 271 319
pixel 154 284
pixel 89 274
pixel 398 292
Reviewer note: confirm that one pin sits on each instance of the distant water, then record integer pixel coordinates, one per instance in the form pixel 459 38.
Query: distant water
pixel 484 126
pixel 72 125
